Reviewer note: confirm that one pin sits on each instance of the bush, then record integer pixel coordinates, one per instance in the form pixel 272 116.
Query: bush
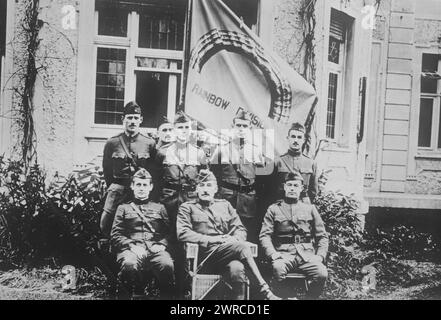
pixel 350 249
pixel 41 221
pixel 345 260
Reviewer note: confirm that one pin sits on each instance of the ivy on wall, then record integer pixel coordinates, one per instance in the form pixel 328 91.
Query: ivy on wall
pixel 33 54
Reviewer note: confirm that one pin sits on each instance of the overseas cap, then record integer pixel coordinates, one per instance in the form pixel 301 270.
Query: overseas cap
pixel 182 118
pixel 142 174
pixel 298 127
pixel 293 176
pixel 205 175
pixel 132 108
pixel 242 115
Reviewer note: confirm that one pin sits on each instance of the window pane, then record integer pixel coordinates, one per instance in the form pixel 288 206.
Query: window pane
pixel 429 64
pixel 332 105
pixel 112 22
pixel 425 124
pixel 110 84
pixel 162 27
pixel 439 129
pixel 334 50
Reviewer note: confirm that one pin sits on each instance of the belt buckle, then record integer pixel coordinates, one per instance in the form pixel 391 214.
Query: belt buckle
pixel 297 239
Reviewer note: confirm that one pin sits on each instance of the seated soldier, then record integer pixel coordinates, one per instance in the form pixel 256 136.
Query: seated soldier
pixel 216 227
pixel 289 229
pixel 140 237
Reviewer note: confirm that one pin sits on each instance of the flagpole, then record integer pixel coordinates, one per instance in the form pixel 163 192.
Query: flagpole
pixel 186 52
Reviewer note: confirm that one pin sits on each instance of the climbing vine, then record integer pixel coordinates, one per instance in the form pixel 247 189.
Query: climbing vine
pixel 308 24
pixel 34 55
pixel 29 37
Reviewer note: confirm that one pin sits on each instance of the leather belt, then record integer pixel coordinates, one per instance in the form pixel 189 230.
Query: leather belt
pixel 238 188
pixel 297 239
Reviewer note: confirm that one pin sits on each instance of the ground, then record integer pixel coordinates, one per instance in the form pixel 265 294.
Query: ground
pixel 424 283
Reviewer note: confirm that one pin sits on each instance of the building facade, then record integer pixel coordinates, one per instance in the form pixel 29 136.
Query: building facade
pixel 403 155
pixel 101 54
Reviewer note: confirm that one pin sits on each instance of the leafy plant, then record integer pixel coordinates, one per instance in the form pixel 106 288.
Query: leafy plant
pixel 57 220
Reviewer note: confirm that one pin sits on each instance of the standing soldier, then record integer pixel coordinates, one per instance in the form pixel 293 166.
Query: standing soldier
pixel 179 164
pixel 165 134
pixel 294 238
pixel 141 239
pixel 235 169
pixel 215 226
pixel 124 154
pixel 295 161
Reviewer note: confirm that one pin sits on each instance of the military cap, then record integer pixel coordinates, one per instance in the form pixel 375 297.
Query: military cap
pixel 293 176
pixel 142 174
pixel 182 118
pixel 165 122
pixel 132 108
pixel 242 115
pixel 205 175
pixel 297 127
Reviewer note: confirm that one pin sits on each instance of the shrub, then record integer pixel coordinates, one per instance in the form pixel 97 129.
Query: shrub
pixel 56 220
pixel 339 214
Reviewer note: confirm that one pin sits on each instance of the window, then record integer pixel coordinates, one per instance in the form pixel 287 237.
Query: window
pixel 429 132
pixel 139 56
pixel 336 67
pixel 2 42
pixel 110 84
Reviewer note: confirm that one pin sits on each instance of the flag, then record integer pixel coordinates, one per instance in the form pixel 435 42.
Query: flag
pixel 230 70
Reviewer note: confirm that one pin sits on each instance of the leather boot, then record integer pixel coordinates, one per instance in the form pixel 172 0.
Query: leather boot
pixel 267 293
pixel 239 290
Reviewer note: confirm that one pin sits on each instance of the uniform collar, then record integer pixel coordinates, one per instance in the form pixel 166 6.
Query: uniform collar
pixel 130 137
pixel 140 202
pixel 205 204
pixel 295 154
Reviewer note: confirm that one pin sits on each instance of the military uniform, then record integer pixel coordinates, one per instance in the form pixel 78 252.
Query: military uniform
pixel 236 177
pixel 143 224
pixel 297 162
pixel 297 232
pixel 118 170
pixel 197 223
pixel 179 169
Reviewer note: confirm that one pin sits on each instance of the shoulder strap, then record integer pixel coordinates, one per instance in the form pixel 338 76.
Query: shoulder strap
pixel 286 165
pixel 126 149
pixel 138 212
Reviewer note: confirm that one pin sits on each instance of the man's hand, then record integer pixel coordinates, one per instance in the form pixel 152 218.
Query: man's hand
pixel 276 256
pixel 156 248
pixel 138 250
pixel 222 239
pixel 316 258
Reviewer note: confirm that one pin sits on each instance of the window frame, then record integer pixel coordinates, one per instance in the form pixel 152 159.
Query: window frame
pixel 340 70
pixel 436 110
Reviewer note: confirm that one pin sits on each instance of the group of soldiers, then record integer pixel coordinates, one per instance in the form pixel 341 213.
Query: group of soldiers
pixel 163 194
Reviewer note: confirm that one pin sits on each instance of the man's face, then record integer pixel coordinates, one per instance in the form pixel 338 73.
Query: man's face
pixel 183 131
pixel 141 188
pixel 206 190
pixel 293 188
pixel 131 123
pixel 241 128
pixel 296 140
pixel 166 133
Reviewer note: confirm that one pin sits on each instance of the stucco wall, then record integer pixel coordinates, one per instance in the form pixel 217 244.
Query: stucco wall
pixel 55 90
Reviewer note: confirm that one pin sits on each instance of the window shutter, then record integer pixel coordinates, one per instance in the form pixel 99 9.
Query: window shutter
pixel 337 29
